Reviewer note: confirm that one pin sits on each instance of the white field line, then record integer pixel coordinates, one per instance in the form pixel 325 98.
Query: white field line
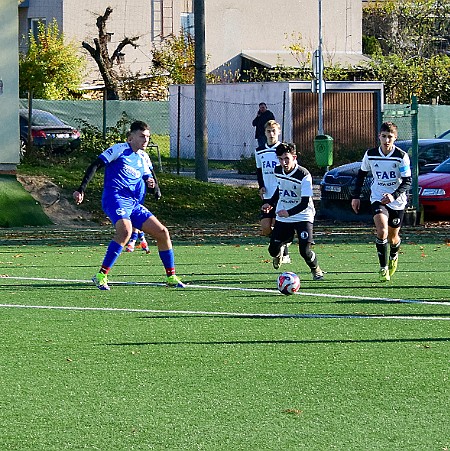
pixel 257 290
pixel 234 314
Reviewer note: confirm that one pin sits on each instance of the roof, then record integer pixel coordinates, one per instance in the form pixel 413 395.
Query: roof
pixel 273 58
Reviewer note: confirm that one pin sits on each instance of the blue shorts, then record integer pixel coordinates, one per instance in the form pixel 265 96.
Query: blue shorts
pixel 117 207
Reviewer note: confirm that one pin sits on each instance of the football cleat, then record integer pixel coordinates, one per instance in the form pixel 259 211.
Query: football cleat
pixel 279 258
pixel 174 281
pixel 317 273
pixel 393 262
pixel 101 281
pixel 130 247
pixel 384 275
pixel 144 247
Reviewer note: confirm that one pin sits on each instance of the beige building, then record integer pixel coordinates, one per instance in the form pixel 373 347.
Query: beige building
pixel 239 33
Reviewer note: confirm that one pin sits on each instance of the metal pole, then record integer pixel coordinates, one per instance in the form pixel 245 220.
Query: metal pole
pixel 415 153
pixel 320 80
pixel 178 130
pixel 201 138
pixel 105 93
pixel 284 113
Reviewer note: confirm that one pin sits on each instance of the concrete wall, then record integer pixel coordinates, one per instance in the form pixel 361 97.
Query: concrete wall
pixel 230 110
pixel 9 86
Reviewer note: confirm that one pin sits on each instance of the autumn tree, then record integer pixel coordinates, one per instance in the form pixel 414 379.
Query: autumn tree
pixel 174 58
pixel 410 28
pixel 50 69
pixel 104 61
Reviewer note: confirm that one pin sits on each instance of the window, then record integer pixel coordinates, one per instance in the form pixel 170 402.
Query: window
pixel 33 26
pixel 187 23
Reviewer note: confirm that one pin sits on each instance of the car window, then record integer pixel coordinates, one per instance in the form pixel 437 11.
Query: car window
pixel 43 118
pixel 443 167
pixel 435 153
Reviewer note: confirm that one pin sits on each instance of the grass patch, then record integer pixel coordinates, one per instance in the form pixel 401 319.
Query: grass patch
pixel 17 207
pixel 185 200
pixel 336 367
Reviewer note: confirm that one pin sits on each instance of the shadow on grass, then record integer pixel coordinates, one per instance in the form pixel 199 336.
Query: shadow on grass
pixel 279 342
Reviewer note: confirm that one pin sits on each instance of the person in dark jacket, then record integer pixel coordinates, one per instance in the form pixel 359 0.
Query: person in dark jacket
pixel 263 116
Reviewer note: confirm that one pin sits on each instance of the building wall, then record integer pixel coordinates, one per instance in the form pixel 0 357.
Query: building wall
pixel 232 26
pixel 77 20
pixel 9 86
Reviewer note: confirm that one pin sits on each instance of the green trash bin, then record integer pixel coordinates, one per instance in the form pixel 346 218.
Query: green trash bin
pixel 323 147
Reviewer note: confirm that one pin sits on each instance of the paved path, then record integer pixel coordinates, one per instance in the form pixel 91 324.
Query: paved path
pixel 233 178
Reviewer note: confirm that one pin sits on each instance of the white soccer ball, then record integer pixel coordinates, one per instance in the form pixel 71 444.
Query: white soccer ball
pixel 288 283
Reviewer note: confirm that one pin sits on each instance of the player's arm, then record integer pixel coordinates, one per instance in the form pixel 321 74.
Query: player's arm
pixel 259 177
pixel 356 201
pixel 78 195
pixel 152 184
pixel 299 207
pixel 270 203
pixel 404 187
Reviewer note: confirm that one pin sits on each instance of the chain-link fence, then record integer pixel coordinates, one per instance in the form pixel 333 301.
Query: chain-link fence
pixel 106 114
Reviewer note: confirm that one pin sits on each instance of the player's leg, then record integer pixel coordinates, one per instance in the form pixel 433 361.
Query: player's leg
pixel 394 223
pixel 132 242
pixel 304 231
pixel 380 217
pixel 143 242
pixel 122 234
pixel 160 234
pixel 282 234
pixel 266 224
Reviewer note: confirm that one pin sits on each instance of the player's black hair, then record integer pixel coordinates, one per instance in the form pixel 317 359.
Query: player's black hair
pixel 138 125
pixel 389 127
pixel 285 148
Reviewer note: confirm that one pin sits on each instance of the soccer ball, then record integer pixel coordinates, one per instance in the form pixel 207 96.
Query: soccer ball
pixel 288 283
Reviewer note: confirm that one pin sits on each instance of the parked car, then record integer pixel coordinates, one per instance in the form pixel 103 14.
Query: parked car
pixel 445 135
pixel 434 191
pixel 47 131
pixel 337 185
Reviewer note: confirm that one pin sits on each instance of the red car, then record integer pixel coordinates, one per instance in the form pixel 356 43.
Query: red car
pixel 434 191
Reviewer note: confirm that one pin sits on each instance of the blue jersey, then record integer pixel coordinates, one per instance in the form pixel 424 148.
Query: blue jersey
pixel 124 169
pixel 141 188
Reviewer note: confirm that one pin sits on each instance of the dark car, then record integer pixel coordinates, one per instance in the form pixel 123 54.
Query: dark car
pixel 434 191
pixel 445 135
pixel 337 185
pixel 47 131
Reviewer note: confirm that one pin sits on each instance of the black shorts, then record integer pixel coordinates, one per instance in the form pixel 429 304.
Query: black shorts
pixel 395 217
pixel 284 232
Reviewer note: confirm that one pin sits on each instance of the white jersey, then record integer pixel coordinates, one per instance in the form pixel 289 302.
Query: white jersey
pixel 292 187
pixel 387 171
pixel 267 160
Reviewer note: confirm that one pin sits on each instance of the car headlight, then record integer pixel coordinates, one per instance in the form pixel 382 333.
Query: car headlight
pixel 433 192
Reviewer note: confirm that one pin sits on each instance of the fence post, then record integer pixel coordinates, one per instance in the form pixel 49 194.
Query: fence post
pixel 30 115
pixel 104 112
pixel 178 128
pixel 415 152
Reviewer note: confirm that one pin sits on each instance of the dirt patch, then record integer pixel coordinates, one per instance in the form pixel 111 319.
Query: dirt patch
pixel 60 209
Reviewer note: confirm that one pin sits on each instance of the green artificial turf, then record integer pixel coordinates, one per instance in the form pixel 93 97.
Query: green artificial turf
pixel 226 363
pixel 17 207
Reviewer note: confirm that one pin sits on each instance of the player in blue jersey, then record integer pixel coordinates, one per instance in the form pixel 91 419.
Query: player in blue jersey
pixel 266 161
pixel 141 191
pixel 391 170
pixel 125 168
pixel 294 209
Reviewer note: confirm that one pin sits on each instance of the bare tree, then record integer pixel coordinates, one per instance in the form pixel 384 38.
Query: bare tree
pixel 101 56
